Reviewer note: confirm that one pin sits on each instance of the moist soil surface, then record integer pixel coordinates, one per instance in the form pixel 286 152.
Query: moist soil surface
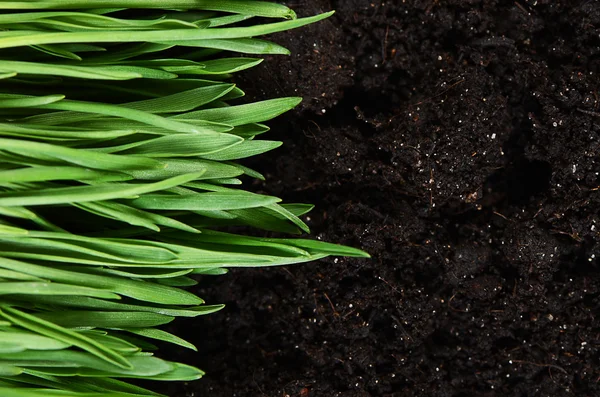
pixel 457 142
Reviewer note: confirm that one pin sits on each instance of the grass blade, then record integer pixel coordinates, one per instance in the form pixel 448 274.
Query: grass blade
pixel 51 330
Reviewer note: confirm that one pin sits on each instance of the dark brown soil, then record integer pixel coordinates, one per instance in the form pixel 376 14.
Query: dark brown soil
pixel 458 142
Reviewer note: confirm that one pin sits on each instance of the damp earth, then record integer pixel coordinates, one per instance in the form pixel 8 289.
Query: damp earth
pixel 458 143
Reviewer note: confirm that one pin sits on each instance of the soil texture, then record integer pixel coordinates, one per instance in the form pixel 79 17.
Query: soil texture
pixel 458 142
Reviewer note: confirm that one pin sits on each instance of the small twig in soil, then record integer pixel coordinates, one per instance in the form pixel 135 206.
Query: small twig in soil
pixel 588 112
pixel 257 385
pixel 335 313
pixel 406 334
pixel 538 212
pixel 318 127
pixel 522 8
pixel 453 308
pixel 451 86
pixel 390 285
pixel 290 273
pixel 385 44
pixel 541 365
pixel 574 235
pixel 318 309
pixel 500 215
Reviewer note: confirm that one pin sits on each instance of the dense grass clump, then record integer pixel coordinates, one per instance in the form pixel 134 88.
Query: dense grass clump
pixel 120 136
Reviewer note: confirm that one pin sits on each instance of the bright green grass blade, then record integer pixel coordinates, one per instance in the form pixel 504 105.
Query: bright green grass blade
pixel 112 342
pixel 321 247
pixel 144 370
pixel 258 8
pixel 142 90
pixel 9 370
pixel 134 216
pixel 181 282
pixel 32 341
pixel 179 145
pixel 153 36
pixel 298 209
pixel 247 171
pixel 97 109
pixel 81 47
pixel 79 120
pixel 136 289
pixel 11 230
pixel 84 158
pixel 244 46
pixel 244 114
pixel 203 201
pixel 257 250
pixel 174 167
pixel 80 194
pixel 105 319
pixel 183 101
pixel 60 133
pixel 185 374
pixel 44 224
pixel 145 273
pixel 260 218
pixel 223 66
pixel 80 362
pixel 227 181
pixel 147 347
pixel 25 102
pixel 17 212
pixel 280 211
pixel 12 275
pixel 39 288
pixel 182 372
pixel 211 272
pixel 227 241
pixel 39 174
pixel 243 150
pixel 65 247
pixel 248 131
pixel 57 51
pixel 7 75
pixel 108 385
pixel 102 305
pixel 289 216
pixel 81 21
pixel 236 93
pixel 48 329
pixel 216 214
pixel 280 261
pixel 8 347
pixel 85 72
pixel 162 336
pixel 16 246
pixel 173 65
pixel 32 392
pixel 78 385
pixel 227 65
pixel 130 51
pixel 221 20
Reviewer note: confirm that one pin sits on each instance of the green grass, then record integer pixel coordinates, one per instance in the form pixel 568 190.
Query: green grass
pixel 120 136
